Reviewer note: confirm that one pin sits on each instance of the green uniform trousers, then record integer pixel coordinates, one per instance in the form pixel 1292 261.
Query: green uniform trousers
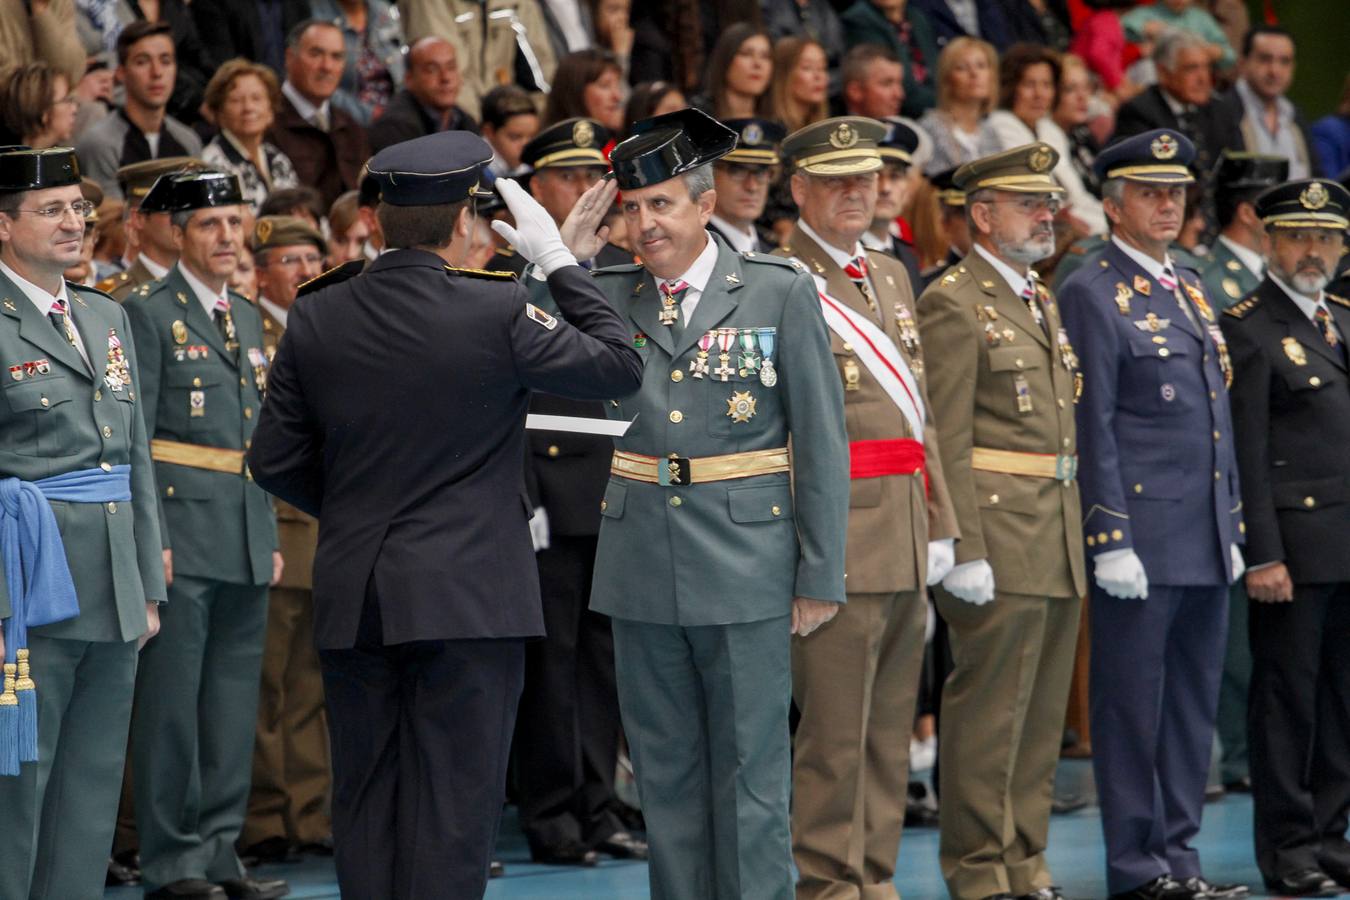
pixel 58 812
pixel 705 709
pixel 192 738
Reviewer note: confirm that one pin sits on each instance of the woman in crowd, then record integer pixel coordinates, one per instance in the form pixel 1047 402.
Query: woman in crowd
pixel 652 98
pixel 242 99
pixel 801 82
pixel 1073 111
pixel 587 83
pixel 959 124
pixel 374 40
pixel 347 231
pixel 36 106
pixel 739 74
pixel 1028 91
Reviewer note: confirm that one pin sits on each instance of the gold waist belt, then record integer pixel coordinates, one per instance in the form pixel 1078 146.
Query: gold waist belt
pixel 196 456
pixel 683 470
pixel 1011 462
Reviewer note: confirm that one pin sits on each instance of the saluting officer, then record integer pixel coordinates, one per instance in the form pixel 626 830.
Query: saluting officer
pixel 1237 260
pixel 1291 413
pixel 1003 380
pixel 150 249
pixel 856 684
pixel 749 548
pixel 74 455
pixel 289 799
pixel 203 371
pixel 1163 522
pixel 741 179
pixel 395 413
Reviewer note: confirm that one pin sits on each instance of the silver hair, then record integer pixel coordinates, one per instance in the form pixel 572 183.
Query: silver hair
pixel 698 181
pixel 979 195
pixel 1114 189
pixel 1172 42
pixel 181 218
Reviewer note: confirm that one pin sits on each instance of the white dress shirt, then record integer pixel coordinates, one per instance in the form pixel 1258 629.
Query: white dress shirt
pixel 153 267
pixel 276 312
pixel 740 241
pixel 1248 257
pixel 320 116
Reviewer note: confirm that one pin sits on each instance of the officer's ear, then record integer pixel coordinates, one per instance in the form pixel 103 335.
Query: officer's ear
pixel 464 221
pixel 707 202
pixel 797 181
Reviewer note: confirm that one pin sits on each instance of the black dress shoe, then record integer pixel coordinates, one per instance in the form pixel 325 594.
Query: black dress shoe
pixel 187 889
pixel 1337 873
pixel 121 874
pixel 567 853
pixel 1209 889
pixel 269 852
pixel 1305 883
pixel 255 888
pixel 1045 893
pixel 1160 888
pixel 622 845
pixel 496 869
pixel 1242 786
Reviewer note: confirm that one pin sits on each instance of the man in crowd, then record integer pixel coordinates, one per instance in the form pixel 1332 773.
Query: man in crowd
pixel 510 120
pixel 422 666
pixel 1237 261
pixel 1159 480
pixel 427 102
pixel 326 145
pixel 1269 121
pixel 737 362
pixel 141 129
pixel 856 684
pixel 1003 384
pixel 288 802
pixel 202 376
pixel 60 793
pixel 741 180
pixel 1291 406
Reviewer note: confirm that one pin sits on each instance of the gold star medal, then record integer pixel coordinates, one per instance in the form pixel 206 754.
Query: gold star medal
pixel 741 406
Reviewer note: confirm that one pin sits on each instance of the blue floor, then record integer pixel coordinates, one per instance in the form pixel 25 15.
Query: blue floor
pixel 1075 854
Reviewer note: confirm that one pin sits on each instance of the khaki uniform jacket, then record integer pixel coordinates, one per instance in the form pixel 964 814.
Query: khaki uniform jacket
pixel 64 420
pixel 985 347
pixel 891 519
pixel 121 285
pixel 297 533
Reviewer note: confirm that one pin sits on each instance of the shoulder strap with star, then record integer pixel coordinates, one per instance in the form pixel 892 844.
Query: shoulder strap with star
pixel 1339 301
pixel 335 275
pixel 1240 310
pixel 481 273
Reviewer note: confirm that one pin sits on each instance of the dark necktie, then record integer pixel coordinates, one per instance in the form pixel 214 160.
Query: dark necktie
pixel 856 270
pixel 60 317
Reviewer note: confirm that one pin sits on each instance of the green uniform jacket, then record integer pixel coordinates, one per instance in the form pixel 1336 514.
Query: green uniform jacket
pixel 1226 279
pixel 724 552
pixel 220 526
pixel 65 420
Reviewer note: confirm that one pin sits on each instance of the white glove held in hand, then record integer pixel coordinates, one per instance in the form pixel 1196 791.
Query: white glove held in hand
pixel 1239 564
pixel 536 235
pixel 539 529
pixel 972 582
pixel 941 558
pixel 1121 574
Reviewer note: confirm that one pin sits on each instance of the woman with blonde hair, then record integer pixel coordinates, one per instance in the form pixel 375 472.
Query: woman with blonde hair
pixel 959 124
pixel 801 82
pixel 242 99
pixel 36 106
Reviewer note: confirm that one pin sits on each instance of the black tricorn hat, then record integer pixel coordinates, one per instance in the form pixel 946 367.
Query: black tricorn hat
pixel 663 147
pixel 25 169
pixel 194 189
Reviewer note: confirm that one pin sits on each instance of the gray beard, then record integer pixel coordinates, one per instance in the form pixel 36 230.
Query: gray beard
pixel 1310 283
pixel 1027 252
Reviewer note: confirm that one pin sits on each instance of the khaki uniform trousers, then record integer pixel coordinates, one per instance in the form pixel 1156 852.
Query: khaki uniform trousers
pixel 292 770
pixel 856 684
pixel 999 739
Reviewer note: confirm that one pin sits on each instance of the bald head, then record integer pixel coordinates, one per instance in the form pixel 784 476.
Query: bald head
pixel 433 73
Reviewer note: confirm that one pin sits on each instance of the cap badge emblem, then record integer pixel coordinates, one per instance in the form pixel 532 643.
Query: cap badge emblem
pixel 843 137
pixel 1164 146
pixel 1039 160
pixel 263 230
pixel 752 134
pixel 583 133
pixel 1314 196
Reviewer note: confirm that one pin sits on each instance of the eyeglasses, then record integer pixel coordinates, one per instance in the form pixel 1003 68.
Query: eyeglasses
pixel 82 209
pixel 1030 206
pixel 295 259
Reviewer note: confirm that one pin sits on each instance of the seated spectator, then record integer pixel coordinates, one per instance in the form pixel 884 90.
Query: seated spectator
pixel 1099 40
pixel 1073 110
pixel 1146 24
pixel 374 41
pixel 614 30
pixel 740 72
pixel 302 202
pixel 510 121
pixel 652 98
pixel 1331 137
pixel 94 93
pixel 426 104
pixel 347 233
pixel 873 86
pixel 36 107
pixel 326 146
pixel 41 30
pixel 673 41
pixel 800 83
pixel 1028 91
pixel 147 67
pixel 959 124
pixel 251 29
pixel 242 99
pixel 815 20
pixel 896 25
pixel 1044 22
pixel 587 85
pixel 487 45
pixel 981 19
pixel 1269 120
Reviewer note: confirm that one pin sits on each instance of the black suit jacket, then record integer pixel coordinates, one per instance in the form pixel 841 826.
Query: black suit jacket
pixel 232 28
pixel 395 413
pixel 993 25
pixel 1291 418
pixel 405 119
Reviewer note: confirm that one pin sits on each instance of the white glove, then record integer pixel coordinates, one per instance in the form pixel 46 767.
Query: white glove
pixel 941 558
pixel 1121 574
pixel 536 236
pixel 539 529
pixel 972 582
pixel 1239 564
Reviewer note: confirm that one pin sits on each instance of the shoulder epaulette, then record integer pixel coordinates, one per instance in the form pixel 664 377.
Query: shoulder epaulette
pixel 494 275
pixel 1339 301
pixel 1240 310
pixel 507 251
pixel 621 269
pixel 86 289
pixel 112 281
pixel 756 257
pixel 954 275
pixel 335 275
